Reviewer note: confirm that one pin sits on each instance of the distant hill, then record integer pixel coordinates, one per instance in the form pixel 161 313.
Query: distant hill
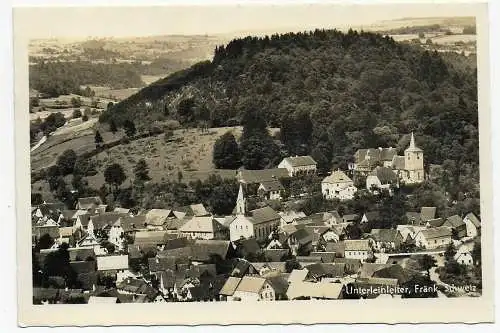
pixel 357 90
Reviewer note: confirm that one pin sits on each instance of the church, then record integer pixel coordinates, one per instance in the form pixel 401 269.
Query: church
pixel 258 223
pixel 409 168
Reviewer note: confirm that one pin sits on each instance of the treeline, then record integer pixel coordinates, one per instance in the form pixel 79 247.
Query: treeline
pixel 61 78
pixel 410 30
pixel 331 93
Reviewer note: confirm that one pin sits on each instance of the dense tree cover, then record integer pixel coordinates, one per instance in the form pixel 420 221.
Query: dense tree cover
pixel 114 175
pixel 226 153
pixel 66 162
pixel 61 78
pixel 357 89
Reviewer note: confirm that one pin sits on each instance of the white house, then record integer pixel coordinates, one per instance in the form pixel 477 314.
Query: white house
pixel 358 249
pixel 270 190
pixel 253 288
pixel 432 238
pixel 464 257
pixel 338 186
pixel 298 165
pixel 472 224
pixel 204 227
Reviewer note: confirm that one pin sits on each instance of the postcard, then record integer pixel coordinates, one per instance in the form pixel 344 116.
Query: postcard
pixel 288 163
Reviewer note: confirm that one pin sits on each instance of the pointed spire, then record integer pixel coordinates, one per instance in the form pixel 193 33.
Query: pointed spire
pixel 412 141
pixel 240 202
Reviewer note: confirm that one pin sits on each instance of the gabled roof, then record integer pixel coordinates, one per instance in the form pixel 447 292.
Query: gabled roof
pixel 69 214
pixel 336 247
pixel 84 219
pixel 302 236
pixel 161 263
pixel 150 237
pixel 80 254
pixel 249 245
pixel 427 213
pixel 398 162
pixel 413 217
pixel 314 290
pixel 89 202
pixel 230 286
pixel 191 210
pixel 278 283
pixel 157 217
pixel 326 257
pixel 130 223
pixel 262 215
pixel 290 216
pixel 52 231
pixel 437 232
pixel 350 217
pixel 117 262
pixel 273 185
pixel 205 224
pixel 372 215
pixel 259 176
pixel 384 175
pixel 434 223
pixel 337 177
pixel 251 284
pixel 203 250
pixel 384 235
pixel 319 270
pixel 357 245
pixel 368 269
pixel 455 221
pixel 473 218
pixel 275 254
pixel 106 219
pixel 298 161
pixel 396 272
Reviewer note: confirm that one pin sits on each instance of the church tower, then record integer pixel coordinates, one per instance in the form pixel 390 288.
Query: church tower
pixel 240 202
pixel 414 162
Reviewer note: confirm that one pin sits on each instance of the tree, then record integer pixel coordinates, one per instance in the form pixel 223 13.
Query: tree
pixel 427 262
pixel 129 127
pixel 449 253
pixel 76 102
pixel 45 242
pixel 77 113
pixel 476 253
pixel 226 154
pixel 112 126
pixel 141 171
pixel 98 139
pixel 114 175
pixel 66 162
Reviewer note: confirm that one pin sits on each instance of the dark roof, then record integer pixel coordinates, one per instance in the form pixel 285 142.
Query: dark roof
pixel 202 250
pixel 106 219
pixel 273 185
pixel 262 215
pixel 52 231
pixel 249 245
pixel 368 269
pixel 372 216
pixel 87 280
pixel 336 247
pixel 437 232
pixel 396 272
pixel 150 237
pixel 181 254
pixel 380 154
pixel 130 223
pixel 384 175
pixel 302 236
pixel 413 217
pixel 455 221
pixel 350 217
pixel 398 162
pixel 384 235
pixel 279 284
pixel 79 254
pixel 161 263
pixel 176 243
pixel 241 268
pixel 83 266
pixel 137 286
pixel 436 222
pixel 326 257
pixel 306 259
pixel 275 255
pixel 319 270
pixel 298 161
pixel 259 176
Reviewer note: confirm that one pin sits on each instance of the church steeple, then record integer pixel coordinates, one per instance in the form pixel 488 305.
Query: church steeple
pixel 412 141
pixel 240 202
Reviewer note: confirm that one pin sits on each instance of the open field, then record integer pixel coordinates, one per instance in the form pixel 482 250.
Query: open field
pixel 113 94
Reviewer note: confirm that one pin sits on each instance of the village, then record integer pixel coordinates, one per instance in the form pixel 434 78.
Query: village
pixel 92 254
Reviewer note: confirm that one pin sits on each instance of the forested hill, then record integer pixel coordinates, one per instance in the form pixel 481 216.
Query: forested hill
pixel 330 92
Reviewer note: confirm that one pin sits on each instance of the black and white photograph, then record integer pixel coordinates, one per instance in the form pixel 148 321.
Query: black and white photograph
pixel 255 154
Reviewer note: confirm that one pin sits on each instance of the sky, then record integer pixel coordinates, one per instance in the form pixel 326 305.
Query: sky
pixel 47 22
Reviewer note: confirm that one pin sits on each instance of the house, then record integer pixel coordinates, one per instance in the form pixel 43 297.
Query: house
pixel 258 223
pixel 91 204
pixel 473 225
pixel 137 287
pixel 372 216
pixel 434 223
pixel 408 232
pixel 271 190
pixel 385 239
pixel 207 250
pixel 297 275
pixel 352 266
pixel 464 256
pixel 457 225
pixel 204 227
pixel 103 222
pixel 82 221
pixel 228 289
pixel 432 238
pixel 338 186
pixel 413 170
pixel 152 238
pixel 253 288
pixel 358 249
pixel 326 257
pixel 350 218
pixel 300 241
pixel 381 178
pixel 319 271
pixel 247 177
pixel 313 290
pixel 269 268
pixel 288 217
pixel 366 159
pixel 280 285
pixel 298 165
